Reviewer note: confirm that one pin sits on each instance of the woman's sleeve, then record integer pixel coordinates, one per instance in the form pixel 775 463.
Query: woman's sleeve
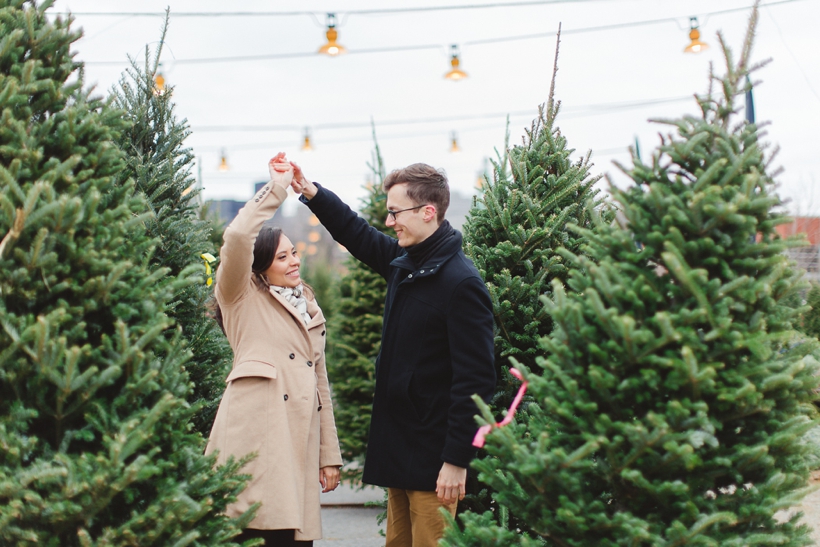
pixel 236 255
pixel 329 452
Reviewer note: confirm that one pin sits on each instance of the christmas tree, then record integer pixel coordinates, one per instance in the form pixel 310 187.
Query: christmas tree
pixel 94 426
pixel 159 163
pixel 355 336
pixel 810 321
pixel 324 280
pixel 671 405
pixel 516 227
pixel 513 235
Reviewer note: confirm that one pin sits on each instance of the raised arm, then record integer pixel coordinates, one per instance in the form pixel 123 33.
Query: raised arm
pixel 363 241
pixel 236 255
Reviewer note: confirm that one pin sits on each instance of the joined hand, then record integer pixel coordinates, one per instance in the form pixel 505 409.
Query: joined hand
pixel 281 172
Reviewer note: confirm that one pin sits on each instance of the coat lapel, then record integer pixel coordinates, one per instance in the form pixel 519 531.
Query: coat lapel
pixel 313 309
pixel 316 316
pixel 289 308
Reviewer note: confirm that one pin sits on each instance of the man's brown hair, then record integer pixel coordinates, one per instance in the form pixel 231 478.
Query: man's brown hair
pixel 425 184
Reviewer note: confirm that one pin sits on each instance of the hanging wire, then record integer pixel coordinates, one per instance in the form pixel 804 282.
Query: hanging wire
pixel 380 11
pixel 418 47
pixel 794 57
pixel 567 111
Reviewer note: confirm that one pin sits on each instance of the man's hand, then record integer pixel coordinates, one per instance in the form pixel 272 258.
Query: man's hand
pixel 329 478
pixel 281 172
pixel 301 185
pixel 450 486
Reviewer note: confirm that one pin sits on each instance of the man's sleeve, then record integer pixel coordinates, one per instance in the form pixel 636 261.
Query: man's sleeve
pixel 363 241
pixel 470 328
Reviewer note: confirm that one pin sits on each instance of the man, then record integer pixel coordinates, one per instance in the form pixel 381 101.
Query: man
pixel 437 348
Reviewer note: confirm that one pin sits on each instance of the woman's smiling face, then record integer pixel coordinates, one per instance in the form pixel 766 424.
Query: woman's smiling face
pixel 284 270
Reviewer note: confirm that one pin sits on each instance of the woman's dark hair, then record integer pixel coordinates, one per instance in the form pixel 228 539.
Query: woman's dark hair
pixel 264 249
pixel 267 241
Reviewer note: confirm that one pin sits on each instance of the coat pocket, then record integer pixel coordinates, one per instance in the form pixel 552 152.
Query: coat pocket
pixel 252 369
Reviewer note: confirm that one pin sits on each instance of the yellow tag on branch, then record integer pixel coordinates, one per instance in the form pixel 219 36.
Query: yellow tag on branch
pixel 209 259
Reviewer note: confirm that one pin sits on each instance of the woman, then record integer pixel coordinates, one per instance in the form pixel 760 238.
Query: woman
pixel 277 401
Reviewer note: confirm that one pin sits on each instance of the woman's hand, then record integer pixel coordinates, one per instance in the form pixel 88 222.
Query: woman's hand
pixel 301 185
pixel 329 478
pixel 281 172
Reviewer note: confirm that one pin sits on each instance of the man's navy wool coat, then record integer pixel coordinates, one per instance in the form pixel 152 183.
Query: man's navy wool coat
pixel 437 351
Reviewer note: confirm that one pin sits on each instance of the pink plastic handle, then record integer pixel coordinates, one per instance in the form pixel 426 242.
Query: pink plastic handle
pixel 481 435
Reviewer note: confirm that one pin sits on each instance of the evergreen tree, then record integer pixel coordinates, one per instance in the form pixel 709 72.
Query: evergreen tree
pixel 96 448
pixel 674 395
pixel 159 163
pixel 513 234
pixel 208 214
pixel 325 284
pixel 810 321
pixel 517 225
pixel 355 336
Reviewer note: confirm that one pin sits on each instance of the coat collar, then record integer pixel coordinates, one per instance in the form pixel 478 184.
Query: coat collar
pixel 432 264
pixel 315 312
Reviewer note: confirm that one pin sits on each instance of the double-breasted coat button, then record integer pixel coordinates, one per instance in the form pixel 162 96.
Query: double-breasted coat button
pixel 310 363
pixel 411 275
pixel 323 333
pixel 292 356
pixel 286 396
pixel 320 408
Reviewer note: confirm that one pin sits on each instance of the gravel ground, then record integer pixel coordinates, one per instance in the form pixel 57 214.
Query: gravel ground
pixel 350 527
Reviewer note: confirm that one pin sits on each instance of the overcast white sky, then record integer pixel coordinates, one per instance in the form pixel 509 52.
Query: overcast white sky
pixel 637 64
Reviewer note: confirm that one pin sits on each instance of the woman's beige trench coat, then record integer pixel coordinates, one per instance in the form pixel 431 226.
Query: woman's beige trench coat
pixel 277 401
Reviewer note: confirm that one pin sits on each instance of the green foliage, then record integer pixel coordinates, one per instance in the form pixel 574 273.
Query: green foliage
pixel 810 324
pixel 94 425
pixel 158 162
pixel 514 231
pixel 325 284
pixel 207 214
pixel 672 402
pixel 513 235
pixel 355 337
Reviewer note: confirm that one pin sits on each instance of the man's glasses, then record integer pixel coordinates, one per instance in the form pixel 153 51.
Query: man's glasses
pixel 393 214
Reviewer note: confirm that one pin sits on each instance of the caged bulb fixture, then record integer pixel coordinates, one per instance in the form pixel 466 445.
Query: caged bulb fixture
pixel 307 145
pixel 159 83
pixel 695 45
pixel 332 47
pixel 455 73
pixel 454 144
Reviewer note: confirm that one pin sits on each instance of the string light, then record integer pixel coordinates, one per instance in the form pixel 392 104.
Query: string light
pixel 307 146
pixel 455 73
pixel 454 146
pixel 223 162
pixel 159 84
pixel 390 49
pixel 482 175
pixel 332 48
pixel 695 46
